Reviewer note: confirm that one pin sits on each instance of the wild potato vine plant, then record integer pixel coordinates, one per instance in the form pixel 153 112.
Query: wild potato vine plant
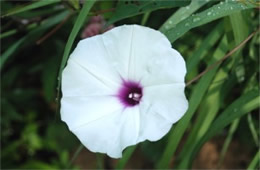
pixel 219 41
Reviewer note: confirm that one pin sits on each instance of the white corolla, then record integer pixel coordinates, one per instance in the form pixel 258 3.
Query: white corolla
pixel 123 87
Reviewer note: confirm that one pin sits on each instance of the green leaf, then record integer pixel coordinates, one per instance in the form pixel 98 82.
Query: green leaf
pixel 194 101
pixel 255 162
pixel 244 104
pixel 49 78
pixel 241 30
pixel 181 14
pixel 215 12
pixel 78 24
pixel 100 161
pixel 231 132
pixel 252 129
pixel 34 5
pixel 75 155
pixel 126 156
pixel 128 8
pixel 74 3
pixel 31 36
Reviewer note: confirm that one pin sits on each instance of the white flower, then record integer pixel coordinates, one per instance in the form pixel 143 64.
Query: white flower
pixel 123 87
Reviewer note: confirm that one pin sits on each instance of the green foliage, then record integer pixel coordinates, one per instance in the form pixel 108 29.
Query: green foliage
pixel 31 36
pixel 215 12
pixel 128 8
pixel 38 36
pixel 126 156
pixel 34 5
pixel 255 162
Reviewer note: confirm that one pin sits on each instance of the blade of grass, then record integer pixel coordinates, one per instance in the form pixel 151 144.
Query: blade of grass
pixel 244 104
pixel 240 30
pixel 215 12
pixel 126 156
pixel 255 163
pixel 34 5
pixel 194 101
pixel 224 149
pixel 78 24
pixel 14 31
pixel 252 129
pixel 181 14
pixel 31 36
pixel 145 18
pixel 127 9
pixel 75 155
pixel 100 161
pixel 8 33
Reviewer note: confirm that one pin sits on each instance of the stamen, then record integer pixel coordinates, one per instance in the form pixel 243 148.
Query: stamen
pixel 135 96
pixel 130 94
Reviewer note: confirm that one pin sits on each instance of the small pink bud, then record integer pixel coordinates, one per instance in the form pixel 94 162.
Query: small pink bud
pixel 95 26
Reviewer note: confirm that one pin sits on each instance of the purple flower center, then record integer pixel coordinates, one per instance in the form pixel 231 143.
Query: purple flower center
pixel 130 93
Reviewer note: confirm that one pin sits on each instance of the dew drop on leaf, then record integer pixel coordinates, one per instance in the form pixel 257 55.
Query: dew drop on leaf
pixel 196 19
pixel 187 24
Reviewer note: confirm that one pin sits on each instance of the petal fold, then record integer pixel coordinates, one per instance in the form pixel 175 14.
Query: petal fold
pixel 111 134
pixel 79 111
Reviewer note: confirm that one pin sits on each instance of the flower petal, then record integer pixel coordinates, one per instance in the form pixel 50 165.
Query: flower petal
pixel 167 100
pixel 153 61
pixel 79 111
pixel 111 134
pixel 153 126
pixel 91 54
pixel 118 42
pixel 77 81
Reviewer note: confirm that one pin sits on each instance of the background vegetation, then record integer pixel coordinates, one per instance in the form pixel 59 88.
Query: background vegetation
pixel 221 126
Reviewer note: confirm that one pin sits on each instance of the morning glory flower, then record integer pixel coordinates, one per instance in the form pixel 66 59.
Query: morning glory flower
pixel 123 87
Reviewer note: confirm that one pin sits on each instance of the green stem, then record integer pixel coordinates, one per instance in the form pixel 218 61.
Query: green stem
pixel 76 154
pixel 14 31
pixel 252 129
pixel 145 18
pixel 232 129
pixel 254 162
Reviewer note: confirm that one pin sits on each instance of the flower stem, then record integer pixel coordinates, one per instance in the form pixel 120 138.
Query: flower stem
pixel 76 154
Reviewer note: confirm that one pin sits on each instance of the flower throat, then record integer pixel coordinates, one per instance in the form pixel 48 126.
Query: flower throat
pixel 130 93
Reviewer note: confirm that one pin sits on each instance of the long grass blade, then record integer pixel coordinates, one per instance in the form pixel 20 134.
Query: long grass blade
pixel 29 37
pixel 34 5
pixel 255 163
pixel 126 156
pixel 181 14
pixel 231 132
pixel 243 105
pixel 215 12
pixel 253 129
